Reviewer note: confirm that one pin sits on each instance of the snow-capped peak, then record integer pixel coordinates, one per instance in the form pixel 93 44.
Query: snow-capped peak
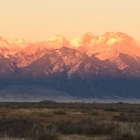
pixel 82 41
pixel 58 38
pixel 16 41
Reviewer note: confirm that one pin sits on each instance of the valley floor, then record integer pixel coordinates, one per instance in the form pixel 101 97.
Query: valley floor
pixel 69 121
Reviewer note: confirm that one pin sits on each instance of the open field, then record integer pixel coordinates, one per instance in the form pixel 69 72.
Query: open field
pixel 69 121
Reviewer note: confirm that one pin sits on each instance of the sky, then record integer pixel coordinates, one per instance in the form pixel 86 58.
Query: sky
pixel 38 20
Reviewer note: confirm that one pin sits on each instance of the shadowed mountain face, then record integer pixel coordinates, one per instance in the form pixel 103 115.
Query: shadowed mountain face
pixel 106 66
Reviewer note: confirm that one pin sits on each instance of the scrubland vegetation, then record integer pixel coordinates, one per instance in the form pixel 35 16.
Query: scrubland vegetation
pixel 69 121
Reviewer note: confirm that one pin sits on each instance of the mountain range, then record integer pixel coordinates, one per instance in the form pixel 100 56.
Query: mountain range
pixel 105 66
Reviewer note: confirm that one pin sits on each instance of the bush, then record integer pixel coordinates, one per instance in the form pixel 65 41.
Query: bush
pixel 29 129
pixel 127 132
pixel 48 136
pixel 127 118
pixel 86 127
pixel 59 112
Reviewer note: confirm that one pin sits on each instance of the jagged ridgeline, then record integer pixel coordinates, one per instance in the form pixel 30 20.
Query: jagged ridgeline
pixel 106 66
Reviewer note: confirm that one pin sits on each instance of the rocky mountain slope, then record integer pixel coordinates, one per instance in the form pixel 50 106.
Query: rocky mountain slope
pixel 106 66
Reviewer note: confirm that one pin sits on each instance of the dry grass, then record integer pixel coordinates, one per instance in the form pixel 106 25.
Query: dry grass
pixel 71 121
pixel 77 137
pixel 11 139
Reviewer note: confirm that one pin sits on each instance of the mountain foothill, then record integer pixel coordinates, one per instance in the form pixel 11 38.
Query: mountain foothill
pixel 105 66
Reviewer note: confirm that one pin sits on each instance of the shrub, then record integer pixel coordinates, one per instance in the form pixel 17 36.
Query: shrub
pixel 127 132
pixel 48 136
pixel 86 127
pixel 29 129
pixel 127 118
pixel 59 112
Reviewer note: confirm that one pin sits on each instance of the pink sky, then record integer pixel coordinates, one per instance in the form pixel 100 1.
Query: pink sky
pixel 41 19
